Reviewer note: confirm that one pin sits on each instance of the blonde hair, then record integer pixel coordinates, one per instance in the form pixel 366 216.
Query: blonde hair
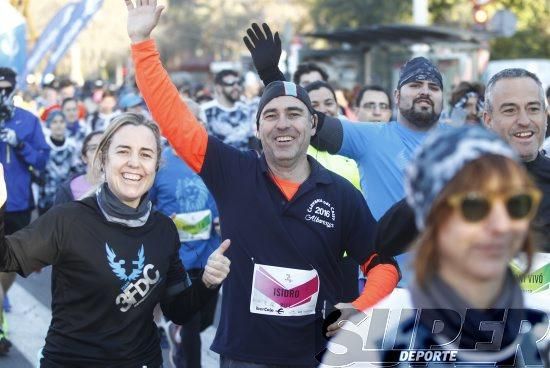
pixel 127 118
pixel 474 176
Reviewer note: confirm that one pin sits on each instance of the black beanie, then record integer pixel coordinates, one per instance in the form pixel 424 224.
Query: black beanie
pixel 281 88
pixel 8 74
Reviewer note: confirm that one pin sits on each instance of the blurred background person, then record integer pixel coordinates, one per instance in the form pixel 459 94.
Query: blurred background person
pixel 133 102
pixel 373 104
pixel 23 149
pixel 106 112
pixel 228 118
pixel 62 163
pixel 65 88
pixel 77 129
pixel 309 72
pixel 466 104
pixel 76 187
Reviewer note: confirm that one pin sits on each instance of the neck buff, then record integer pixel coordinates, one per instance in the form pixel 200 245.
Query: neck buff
pixel 440 302
pixel 117 212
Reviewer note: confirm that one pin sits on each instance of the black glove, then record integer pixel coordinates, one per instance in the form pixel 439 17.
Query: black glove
pixel 265 51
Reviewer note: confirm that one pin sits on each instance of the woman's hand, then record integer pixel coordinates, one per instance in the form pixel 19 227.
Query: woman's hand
pixel 142 18
pixel 217 266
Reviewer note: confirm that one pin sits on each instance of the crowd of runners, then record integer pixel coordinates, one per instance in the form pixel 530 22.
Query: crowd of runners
pixel 149 198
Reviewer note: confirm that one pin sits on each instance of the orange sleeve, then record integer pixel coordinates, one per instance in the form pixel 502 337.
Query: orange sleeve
pixel 381 280
pixel 177 123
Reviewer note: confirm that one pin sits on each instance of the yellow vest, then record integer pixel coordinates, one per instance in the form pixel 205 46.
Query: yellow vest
pixel 340 165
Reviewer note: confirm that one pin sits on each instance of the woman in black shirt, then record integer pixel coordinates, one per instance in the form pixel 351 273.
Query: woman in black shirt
pixel 113 259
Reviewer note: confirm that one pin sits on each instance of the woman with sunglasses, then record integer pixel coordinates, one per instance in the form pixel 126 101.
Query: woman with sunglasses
pixel 473 202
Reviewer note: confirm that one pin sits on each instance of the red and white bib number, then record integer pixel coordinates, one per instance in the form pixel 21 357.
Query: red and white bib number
pixel 285 292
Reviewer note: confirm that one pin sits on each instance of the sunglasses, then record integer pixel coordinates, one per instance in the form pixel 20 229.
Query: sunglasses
pixel 476 206
pixel 231 83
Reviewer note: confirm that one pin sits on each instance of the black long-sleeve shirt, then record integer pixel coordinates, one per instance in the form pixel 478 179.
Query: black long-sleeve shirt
pixel 106 281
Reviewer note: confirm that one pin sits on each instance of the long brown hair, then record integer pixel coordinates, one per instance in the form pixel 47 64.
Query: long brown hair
pixel 474 176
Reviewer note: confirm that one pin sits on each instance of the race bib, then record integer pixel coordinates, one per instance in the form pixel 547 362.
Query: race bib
pixel 538 279
pixel 194 225
pixel 284 292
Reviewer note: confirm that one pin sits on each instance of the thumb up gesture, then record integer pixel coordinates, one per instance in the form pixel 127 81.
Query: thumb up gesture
pixel 217 266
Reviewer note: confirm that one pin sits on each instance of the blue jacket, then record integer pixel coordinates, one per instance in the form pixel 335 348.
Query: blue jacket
pixel 177 189
pixel 19 162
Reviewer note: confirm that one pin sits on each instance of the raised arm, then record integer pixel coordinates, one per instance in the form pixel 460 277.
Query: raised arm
pixel 176 120
pixel 265 49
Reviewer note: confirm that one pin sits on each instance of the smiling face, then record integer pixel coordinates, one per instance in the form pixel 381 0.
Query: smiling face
pixel 130 163
pixel 324 101
pixel 285 129
pixel 518 115
pixel 419 104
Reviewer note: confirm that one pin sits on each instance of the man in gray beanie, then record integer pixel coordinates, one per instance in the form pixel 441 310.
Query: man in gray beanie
pixel 289 219
pixel 381 150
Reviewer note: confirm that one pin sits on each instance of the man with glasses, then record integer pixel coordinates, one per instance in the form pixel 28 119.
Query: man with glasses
pixel 373 103
pixel 227 117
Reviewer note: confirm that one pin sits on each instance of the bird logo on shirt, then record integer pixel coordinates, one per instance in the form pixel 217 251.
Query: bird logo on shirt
pixel 118 266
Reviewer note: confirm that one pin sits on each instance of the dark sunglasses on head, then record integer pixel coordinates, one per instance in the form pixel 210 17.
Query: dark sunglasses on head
pixel 476 206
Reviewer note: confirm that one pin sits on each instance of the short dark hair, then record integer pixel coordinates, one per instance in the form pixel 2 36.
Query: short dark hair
pixel 8 74
pixel 314 86
pixel 371 87
pixel 108 93
pixel 548 92
pixel 304 68
pixel 66 83
pixel 218 79
pixel 67 100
